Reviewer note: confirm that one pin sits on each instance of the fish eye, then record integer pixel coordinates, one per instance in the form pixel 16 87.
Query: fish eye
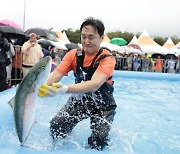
pixel 43 67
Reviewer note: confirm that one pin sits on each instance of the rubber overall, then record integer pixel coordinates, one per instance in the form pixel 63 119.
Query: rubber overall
pixel 98 106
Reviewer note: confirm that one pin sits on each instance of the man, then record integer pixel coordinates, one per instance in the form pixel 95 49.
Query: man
pixel 93 69
pixel 4 48
pixel 145 63
pixel 32 53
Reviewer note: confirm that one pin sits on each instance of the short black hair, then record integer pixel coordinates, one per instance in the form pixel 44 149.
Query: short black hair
pixel 96 23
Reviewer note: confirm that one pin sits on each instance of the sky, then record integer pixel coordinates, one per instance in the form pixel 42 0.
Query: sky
pixel 158 17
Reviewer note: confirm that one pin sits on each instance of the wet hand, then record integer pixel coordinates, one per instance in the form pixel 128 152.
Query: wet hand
pixel 56 88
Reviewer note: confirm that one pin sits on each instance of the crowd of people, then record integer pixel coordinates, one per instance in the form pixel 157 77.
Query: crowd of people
pixel 135 62
pixel 17 60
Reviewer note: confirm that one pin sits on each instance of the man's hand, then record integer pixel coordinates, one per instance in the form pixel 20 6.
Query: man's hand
pixel 33 44
pixel 56 88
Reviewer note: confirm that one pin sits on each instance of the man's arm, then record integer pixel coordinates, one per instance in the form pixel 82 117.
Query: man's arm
pixel 25 48
pixel 88 86
pixel 54 77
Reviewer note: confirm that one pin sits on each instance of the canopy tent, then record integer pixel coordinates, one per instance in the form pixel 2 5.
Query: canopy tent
pixel 169 44
pixel 65 37
pixel 134 40
pixel 174 51
pixel 106 39
pixel 59 34
pixel 178 45
pixel 148 45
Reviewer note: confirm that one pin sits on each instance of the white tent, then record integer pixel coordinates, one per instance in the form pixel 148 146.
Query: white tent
pixel 134 40
pixel 60 35
pixel 169 44
pixel 148 45
pixel 106 39
pixel 65 37
pixel 178 45
pixel 174 50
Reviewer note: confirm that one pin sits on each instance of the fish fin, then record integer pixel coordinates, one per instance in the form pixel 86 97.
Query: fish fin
pixel 11 102
pixel 35 121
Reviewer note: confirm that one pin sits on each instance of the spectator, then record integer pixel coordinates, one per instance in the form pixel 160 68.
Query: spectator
pixel 11 53
pixel 178 65
pixel 158 65
pixel 129 62
pixel 145 63
pixel 136 63
pixel 16 73
pixel 171 65
pixel 52 54
pixel 32 53
pixel 4 48
pixel 45 51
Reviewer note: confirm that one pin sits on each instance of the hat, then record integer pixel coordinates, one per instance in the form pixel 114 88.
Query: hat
pixel 32 34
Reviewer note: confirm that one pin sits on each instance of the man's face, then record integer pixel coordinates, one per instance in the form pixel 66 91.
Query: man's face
pixel 33 39
pixel 90 40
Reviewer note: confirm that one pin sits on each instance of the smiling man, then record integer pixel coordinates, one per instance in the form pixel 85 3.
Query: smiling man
pixel 93 69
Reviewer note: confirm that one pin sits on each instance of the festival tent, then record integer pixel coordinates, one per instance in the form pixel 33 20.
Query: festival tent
pixel 178 45
pixel 134 40
pixel 174 51
pixel 106 39
pixel 59 34
pixel 65 37
pixel 148 45
pixel 169 44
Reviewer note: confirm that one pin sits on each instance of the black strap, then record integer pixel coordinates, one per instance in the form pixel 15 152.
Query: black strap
pixel 101 58
pixel 91 69
pixel 79 60
pixel 99 52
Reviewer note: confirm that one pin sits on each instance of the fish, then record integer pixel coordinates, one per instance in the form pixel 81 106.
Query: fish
pixel 25 101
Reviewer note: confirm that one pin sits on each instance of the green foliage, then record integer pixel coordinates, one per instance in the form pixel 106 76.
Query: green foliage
pixel 74 36
pixel 160 40
pixel 125 35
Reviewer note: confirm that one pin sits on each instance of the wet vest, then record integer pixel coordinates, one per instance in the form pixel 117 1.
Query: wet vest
pixel 86 73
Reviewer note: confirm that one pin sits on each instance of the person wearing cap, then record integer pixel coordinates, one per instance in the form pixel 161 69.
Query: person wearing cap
pixel 32 53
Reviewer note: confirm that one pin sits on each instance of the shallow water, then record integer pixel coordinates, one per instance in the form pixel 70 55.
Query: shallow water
pixel 147 119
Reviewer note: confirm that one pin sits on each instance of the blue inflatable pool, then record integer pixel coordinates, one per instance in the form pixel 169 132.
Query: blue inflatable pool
pixel 147 119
